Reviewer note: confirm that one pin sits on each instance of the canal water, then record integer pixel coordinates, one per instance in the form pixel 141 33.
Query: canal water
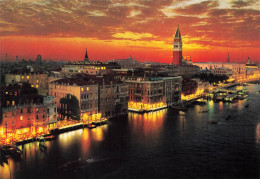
pixel 161 144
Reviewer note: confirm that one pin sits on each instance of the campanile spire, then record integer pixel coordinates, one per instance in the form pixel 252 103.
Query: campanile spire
pixel 177 48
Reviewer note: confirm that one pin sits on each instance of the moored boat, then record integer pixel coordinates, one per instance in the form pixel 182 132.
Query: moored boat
pixel 50 137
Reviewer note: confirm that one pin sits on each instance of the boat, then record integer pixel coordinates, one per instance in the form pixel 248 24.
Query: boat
pixel 212 122
pixel 50 137
pixel 3 157
pixel 182 113
pixel 204 111
pixel 179 108
pixel 91 126
pixel 228 117
pixel 11 150
pixel 241 97
pixel 41 138
pixel 42 146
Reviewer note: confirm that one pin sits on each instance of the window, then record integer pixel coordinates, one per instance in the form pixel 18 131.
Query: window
pixel 37 117
pixel 43 116
pixel 36 110
pixel 13 103
pixel 21 111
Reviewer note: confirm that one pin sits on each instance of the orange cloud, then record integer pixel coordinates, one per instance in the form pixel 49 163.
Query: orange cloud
pixel 63 29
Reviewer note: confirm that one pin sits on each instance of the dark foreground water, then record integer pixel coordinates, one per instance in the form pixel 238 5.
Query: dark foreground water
pixel 160 144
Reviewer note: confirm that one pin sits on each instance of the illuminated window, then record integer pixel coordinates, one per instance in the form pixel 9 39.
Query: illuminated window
pixel 22 77
pixel 31 85
pixel 81 89
pixel 13 103
pixel 36 86
pixel 87 88
pixel 6 92
pixel 28 77
pixel 21 118
pixel 37 81
pixel 37 110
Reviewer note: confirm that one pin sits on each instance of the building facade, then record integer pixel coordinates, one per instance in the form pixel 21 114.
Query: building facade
pixel 235 67
pixel 146 94
pixel 23 111
pixel 221 71
pixel 95 95
pixel 37 80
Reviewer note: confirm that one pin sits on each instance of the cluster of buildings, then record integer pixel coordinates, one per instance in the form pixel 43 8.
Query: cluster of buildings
pixel 36 96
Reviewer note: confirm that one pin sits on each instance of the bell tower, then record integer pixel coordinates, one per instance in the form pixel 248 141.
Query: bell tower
pixel 177 48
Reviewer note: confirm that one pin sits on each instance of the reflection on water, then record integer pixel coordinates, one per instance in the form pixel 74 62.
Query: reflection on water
pixel 163 142
pixel 258 133
pixel 151 123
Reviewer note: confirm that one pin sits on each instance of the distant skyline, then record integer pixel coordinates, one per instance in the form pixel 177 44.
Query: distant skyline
pixel 62 30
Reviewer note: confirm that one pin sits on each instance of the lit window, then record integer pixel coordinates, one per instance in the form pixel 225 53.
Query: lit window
pixel 81 89
pixel 37 81
pixel 87 88
pixel 37 110
pixel 6 92
pixel 21 118
pixel 22 77
pixel 13 103
pixel 36 86
pixel 28 77
pixel 31 85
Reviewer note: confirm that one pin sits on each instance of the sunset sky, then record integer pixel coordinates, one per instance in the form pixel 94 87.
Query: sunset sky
pixel 63 29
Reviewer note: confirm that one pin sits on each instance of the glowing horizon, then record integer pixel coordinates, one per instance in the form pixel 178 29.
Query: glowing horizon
pixel 62 30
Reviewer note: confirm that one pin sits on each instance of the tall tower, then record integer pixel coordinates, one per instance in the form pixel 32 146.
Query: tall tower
pixel 177 48
pixel 227 57
pixel 86 59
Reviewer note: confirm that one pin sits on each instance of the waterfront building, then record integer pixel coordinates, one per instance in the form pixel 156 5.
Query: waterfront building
pixel 235 67
pixel 37 80
pixel 152 93
pixel 95 95
pixel 23 111
pixel 177 48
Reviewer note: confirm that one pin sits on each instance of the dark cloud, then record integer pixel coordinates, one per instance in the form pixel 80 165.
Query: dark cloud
pixel 242 3
pixel 199 8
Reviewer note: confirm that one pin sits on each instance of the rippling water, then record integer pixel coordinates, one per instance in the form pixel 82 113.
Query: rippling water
pixel 160 144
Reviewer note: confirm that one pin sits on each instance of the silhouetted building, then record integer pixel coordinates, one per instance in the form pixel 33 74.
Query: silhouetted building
pixel 86 59
pixel 39 59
